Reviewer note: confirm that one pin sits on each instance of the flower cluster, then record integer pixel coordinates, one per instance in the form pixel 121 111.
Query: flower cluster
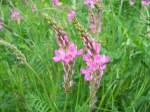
pixel 95 62
pixel 15 15
pixel 67 52
pixel 145 2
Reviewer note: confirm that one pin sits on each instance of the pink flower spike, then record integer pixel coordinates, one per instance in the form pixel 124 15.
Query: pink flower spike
pixel 71 15
pixel 55 2
pixel 15 15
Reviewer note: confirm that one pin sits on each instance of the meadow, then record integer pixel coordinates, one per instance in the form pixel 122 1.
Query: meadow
pixel 30 80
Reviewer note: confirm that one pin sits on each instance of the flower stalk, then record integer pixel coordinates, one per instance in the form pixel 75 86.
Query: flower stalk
pixel 96 63
pixel 95 10
pixel 66 54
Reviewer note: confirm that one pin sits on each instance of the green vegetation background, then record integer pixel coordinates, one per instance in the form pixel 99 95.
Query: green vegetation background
pixel 37 87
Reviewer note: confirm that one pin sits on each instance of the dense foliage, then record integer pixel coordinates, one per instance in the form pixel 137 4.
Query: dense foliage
pixel 30 81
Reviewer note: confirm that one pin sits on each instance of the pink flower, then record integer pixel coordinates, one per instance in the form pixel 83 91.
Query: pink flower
pixel 88 77
pixel 87 74
pixel 90 3
pixel 55 2
pixel 1 24
pixel 59 55
pixel 145 2
pixel 67 54
pixel 104 59
pixel 15 15
pixel 71 15
pixel 34 8
pixel 94 61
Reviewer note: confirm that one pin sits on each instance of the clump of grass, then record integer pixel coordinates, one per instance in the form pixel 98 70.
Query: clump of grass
pixel 19 55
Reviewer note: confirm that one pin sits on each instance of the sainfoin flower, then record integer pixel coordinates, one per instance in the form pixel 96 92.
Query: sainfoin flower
pixel 90 3
pixel 95 62
pixel 15 15
pixel 71 15
pixel 55 2
pixel 66 55
pixel 145 2
pixel 67 52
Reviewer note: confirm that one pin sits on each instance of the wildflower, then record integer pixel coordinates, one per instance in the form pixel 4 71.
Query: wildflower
pixel 71 15
pixel 55 2
pixel 95 67
pixel 67 51
pixel 90 3
pixel 66 54
pixel 1 24
pixel 15 15
pixel 95 62
pixel 34 8
pixel 145 2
